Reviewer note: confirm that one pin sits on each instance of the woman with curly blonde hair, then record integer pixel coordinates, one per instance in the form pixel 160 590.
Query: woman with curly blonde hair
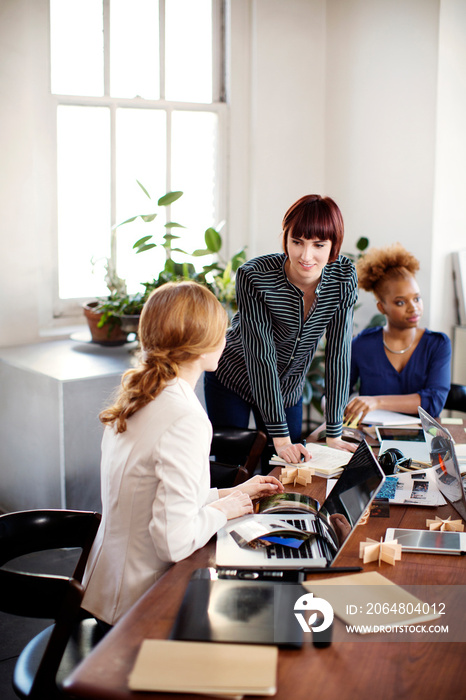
pixel 157 503
pixel 400 366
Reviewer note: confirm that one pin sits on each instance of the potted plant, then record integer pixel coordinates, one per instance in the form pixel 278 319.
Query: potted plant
pixel 118 313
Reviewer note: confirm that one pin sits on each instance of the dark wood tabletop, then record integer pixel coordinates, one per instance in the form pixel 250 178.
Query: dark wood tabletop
pixel 389 670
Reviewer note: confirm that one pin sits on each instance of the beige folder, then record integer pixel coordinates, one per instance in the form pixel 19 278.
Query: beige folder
pixel 375 599
pixel 205 667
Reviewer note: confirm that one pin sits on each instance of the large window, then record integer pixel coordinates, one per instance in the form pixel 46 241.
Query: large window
pixel 139 96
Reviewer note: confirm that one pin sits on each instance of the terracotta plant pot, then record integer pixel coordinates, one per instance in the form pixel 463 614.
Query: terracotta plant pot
pixel 105 335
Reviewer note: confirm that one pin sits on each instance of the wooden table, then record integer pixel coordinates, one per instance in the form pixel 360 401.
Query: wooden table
pixel 356 669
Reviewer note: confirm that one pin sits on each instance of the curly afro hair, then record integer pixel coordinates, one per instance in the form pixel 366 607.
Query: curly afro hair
pixel 379 265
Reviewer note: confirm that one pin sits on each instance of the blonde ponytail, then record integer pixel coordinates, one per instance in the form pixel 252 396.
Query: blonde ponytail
pixel 179 322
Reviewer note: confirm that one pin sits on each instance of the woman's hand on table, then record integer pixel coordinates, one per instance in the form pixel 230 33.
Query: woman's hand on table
pixel 360 406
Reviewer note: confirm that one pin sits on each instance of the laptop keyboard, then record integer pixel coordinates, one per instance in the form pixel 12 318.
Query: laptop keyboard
pixel 311 548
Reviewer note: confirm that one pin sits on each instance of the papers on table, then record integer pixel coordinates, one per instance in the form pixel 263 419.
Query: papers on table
pixel 389 418
pixel 326 461
pixel 171 666
pixel 417 488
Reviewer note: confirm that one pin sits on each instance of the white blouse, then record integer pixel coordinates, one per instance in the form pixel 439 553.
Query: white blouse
pixel 155 487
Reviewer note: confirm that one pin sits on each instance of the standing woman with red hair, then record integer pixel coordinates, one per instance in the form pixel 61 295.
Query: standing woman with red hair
pixel 286 303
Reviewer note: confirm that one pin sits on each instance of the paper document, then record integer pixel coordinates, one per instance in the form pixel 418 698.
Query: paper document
pixel 325 460
pixel 417 488
pixel 389 418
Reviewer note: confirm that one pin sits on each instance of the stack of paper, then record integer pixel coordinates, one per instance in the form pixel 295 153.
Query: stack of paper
pixel 170 666
pixel 326 461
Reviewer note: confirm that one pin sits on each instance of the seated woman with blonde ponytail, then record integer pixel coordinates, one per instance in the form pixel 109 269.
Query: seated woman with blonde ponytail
pixel 157 504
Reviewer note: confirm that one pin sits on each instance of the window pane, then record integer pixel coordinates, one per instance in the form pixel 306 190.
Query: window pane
pixel 134 48
pixel 83 148
pixel 194 148
pixel 76 38
pixel 140 155
pixel 188 50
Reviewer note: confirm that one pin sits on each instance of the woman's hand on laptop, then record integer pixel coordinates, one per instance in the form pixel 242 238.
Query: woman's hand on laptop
pixel 234 505
pixel 257 487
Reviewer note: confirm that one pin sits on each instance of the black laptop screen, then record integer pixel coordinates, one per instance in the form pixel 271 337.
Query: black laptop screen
pixel 353 492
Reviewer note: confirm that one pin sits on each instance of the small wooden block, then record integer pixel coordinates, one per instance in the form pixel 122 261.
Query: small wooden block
pixel 371 550
pixel 447 525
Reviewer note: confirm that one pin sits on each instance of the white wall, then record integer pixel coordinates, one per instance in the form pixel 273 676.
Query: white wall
pixel 25 208
pixel 361 100
pixel 449 231
pixel 277 89
pixel 381 87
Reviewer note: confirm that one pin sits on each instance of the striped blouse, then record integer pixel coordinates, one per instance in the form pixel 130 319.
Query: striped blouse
pixel 270 344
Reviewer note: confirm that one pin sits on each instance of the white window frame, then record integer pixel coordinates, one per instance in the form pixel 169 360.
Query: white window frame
pixel 65 309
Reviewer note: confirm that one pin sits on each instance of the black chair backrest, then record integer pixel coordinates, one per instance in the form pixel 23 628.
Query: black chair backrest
pixel 456 399
pixel 40 595
pixel 235 447
pixel 29 531
pixel 43 595
pixel 232 445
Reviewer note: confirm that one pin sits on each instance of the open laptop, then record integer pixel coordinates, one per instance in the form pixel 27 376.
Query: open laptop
pixel 354 491
pixel 444 462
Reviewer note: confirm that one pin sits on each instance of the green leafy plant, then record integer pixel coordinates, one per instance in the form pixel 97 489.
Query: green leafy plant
pixel 219 275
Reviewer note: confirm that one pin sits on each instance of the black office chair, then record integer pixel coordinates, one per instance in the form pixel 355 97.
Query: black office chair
pixel 235 454
pixel 53 653
pixel 456 399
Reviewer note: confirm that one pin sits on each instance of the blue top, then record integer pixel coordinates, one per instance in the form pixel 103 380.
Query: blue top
pixel 270 344
pixel 427 372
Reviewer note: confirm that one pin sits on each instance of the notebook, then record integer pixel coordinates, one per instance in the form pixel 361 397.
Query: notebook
pixel 444 462
pixel 332 523
pixel 168 666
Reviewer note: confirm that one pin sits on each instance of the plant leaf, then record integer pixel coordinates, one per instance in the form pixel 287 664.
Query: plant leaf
pixel 213 240
pixel 238 259
pixel 143 189
pixel 141 241
pixel 148 217
pixel 362 243
pixel 169 198
pixel 210 268
pixel 173 224
pixel 133 218
pixel 201 251
pixel 145 247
